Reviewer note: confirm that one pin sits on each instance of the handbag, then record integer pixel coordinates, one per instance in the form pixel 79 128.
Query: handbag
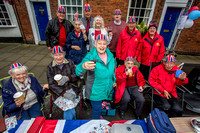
pixel 6 116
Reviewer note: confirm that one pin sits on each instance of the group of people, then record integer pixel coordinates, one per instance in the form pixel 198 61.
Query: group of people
pixel 120 42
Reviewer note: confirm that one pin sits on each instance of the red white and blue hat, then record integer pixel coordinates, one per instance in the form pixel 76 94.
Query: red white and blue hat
pixel 61 9
pixel 57 49
pixel 117 12
pixel 170 58
pixel 77 19
pixel 101 37
pixel 15 65
pixel 129 58
pixel 98 16
pixel 153 24
pixel 131 19
pixel 87 7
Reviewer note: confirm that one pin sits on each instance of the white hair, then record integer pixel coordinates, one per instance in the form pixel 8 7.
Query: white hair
pixel 77 21
pixel 21 68
pixel 51 54
pixel 102 22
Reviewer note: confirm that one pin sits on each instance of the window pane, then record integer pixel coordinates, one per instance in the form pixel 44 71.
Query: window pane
pixel 136 12
pixel 138 3
pixel 3 8
pixel 68 2
pixel 133 3
pixel 62 2
pixel 79 9
pixel 73 10
pixel 79 2
pixel 142 12
pixel 1 15
pixel 68 9
pixel 80 16
pixel 8 22
pixel 70 17
pixel 73 2
pixel 131 12
pixel 3 22
pixel 6 15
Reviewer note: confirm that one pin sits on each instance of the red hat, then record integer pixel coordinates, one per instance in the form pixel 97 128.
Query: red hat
pixel 152 24
pixel 61 9
pixel 87 7
pixel 15 65
pixel 101 37
pixel 57 49
pixel 117 12
pixel 170 58
pixel 131 19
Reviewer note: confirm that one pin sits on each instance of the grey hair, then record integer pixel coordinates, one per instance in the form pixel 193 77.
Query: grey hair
pixel 77 21
pixel 21 68
pixel 102 22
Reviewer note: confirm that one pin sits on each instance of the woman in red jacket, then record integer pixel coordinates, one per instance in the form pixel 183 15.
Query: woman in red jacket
pixel 152 49
pixel 130 84
pixel 164 78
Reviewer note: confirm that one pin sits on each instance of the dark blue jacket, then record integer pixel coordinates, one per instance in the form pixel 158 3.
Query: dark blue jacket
pixel 75 55
pixel 9 90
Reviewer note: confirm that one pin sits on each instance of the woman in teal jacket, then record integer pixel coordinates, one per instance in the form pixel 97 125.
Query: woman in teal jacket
pixel 100 65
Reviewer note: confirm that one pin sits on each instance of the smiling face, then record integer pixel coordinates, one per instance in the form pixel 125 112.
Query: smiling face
pixel 61 16
pixel 169 65
pixel 77 25
pixel 117 18
pixel 88 14
pixel 98 23
pixel 59 58
pixel 101 46
pixel 152 30
pixel 19 75
pixel 131 26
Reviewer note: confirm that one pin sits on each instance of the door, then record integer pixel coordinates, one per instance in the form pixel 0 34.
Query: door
pixel 41 17
pixel 170 20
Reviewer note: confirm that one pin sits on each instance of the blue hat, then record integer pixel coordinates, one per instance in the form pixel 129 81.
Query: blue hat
pixel 117 12
pixel 101 37
pixel 57 49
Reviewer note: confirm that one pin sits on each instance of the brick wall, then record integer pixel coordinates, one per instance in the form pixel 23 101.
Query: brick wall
pixel 158 10
pixel 54 7
pixel 25 21
pixel 105 8
pixel 189 39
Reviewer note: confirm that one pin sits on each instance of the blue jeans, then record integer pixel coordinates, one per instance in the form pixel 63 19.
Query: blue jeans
pixel 69 114
pixel 96 109
pixel 32 112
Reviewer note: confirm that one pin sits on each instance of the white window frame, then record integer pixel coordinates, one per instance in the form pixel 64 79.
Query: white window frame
pixel 10 18
pixel 150 16
pixel 72 13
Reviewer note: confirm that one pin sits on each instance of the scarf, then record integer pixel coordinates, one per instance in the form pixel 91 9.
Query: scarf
pixel 22 86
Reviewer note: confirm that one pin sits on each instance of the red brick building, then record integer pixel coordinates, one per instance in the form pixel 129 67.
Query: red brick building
pixel 26 20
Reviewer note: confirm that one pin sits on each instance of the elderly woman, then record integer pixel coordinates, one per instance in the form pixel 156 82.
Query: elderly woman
pixel 66 68
pixel 76 42
pixel 98 28
pixel 152 49
pixel 29 87
pixel 99 64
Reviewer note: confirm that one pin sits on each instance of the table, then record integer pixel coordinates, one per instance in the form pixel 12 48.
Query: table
pixel 182 124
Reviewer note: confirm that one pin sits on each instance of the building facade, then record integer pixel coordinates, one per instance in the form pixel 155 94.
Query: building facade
pixel 26 20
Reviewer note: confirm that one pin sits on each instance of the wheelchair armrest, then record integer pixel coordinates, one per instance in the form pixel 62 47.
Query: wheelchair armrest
pixel 180 89
pixel 186 89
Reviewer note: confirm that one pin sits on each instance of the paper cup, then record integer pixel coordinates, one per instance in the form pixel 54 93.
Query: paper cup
pixel 178 72
pixel 19 96
pixel 58 77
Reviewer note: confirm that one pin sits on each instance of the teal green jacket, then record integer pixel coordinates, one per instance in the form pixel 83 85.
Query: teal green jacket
pixel 100 81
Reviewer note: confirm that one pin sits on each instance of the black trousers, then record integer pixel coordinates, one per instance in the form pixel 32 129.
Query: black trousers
pixel 171 106
pixel 134 94
pixel 145 71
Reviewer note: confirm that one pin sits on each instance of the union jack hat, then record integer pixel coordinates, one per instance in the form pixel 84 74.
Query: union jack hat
pixel 15 65
pixel 131 19
pixel 98 16
pixel 153 24
pixel 77 19
pixel 57 49
pixel 87 7
pixel 61 9
pixel 170 58
pixel 101 37
pixel 117 12
pixel 129 58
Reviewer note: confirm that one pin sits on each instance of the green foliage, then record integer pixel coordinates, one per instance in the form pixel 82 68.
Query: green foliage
pixel 142 28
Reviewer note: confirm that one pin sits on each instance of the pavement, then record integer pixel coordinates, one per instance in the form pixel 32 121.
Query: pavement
pixel 37 57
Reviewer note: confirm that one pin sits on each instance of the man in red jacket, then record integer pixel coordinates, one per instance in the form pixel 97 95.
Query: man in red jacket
pixel 130 84
pixel 165 78
pixel 128 41
pixel 152 49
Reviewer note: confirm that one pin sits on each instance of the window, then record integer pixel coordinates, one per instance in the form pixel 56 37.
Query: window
pixel 4 16
pixel 141 9
pixel 71 7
